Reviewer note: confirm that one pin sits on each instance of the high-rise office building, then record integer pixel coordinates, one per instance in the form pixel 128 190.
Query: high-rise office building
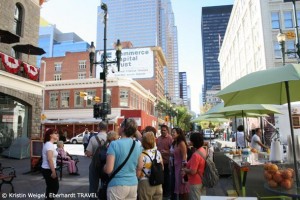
pixel 144 23
pixel 213 25
pixel 183 93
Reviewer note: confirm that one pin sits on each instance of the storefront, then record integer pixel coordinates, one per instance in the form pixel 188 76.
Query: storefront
pixel 13 119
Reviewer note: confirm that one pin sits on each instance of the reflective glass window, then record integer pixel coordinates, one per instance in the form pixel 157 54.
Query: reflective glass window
pixel 18 19
pixel 64 99
pixel 53 100
pixel 288 20
pixel 13 119
pixel 275 20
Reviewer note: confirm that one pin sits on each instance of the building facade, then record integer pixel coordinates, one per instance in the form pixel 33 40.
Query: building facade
pixel 144 65
pixel 213 26
pixel 183 88
pixel 20 91
pixel 56 44
pixel 145 24
pixel 66 76
pixel 250 43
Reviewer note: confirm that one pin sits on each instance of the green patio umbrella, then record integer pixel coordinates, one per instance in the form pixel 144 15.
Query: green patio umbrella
pixel 277 85
pixel 259 109
pixel 246 110
pixel 211 118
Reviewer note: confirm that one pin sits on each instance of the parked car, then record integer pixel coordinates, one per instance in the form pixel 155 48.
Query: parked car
pixel 77 139
pixel 208 133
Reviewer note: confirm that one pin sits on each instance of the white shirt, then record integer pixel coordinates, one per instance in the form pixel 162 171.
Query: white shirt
pixel 147 162
pixel 48 146
pixel 254 144
pixel 240 139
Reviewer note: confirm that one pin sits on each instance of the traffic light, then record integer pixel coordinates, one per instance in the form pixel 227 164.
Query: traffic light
pixel 102 76
pixel 83 94
pixel 96 111
pixel 167 118
pixel 97 99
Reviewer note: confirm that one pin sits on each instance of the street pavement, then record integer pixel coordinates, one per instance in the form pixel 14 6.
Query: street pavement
pixel 30 185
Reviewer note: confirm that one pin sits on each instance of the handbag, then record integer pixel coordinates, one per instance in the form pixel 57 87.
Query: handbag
pixel 103 190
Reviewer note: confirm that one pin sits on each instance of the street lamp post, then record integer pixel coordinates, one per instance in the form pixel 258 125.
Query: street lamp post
pixel 281 37
pixel 296 30
pixel 103 76
pixel 281 40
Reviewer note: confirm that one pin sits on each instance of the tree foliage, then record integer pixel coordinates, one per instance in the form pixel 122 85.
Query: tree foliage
pixel 180 114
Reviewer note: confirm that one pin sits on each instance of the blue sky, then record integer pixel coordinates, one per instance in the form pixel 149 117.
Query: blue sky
pixel 80 16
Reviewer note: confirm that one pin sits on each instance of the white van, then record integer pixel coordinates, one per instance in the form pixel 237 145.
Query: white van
pixel 208 133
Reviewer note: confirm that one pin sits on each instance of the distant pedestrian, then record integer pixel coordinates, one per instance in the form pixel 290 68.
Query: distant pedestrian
pixel 85 139
pixel 49 155
pixel 164 143
pixel 94 173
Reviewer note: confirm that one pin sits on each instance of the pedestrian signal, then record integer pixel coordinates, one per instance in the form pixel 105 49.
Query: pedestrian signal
pixel 82 94
pixel 96 111
pixel 167 118
pixel 97 99
pixel 43 117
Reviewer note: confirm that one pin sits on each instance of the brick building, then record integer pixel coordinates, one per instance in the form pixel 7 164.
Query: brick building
pixel 65 77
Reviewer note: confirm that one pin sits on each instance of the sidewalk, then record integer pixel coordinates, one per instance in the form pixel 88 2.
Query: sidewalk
pixel 26 184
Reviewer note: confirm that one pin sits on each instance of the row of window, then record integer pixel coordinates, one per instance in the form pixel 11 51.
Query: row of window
pixel 81 75
pixel 81 65
pixel 58 69
pixel 287 19
pixel 62 99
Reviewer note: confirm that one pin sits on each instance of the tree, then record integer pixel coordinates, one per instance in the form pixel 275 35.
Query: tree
pixel 180 115
pixel 183 118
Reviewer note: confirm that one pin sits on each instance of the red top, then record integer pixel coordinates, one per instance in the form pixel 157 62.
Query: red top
pixel 163 146
pixel 196 163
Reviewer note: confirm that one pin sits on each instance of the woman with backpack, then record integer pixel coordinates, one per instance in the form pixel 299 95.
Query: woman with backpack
pixel 123 154
pixel 180 158
pixel 195 166
pixel 146 188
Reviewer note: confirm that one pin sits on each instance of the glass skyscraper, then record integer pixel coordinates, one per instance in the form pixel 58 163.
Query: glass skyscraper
pixel 56 44
pixel 144 23
pixel 213 25
pixel 183 93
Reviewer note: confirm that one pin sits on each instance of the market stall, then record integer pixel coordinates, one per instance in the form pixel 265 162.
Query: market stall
pixel 248 175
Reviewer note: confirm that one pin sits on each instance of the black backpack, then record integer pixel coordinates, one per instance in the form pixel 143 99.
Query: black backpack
pixel 156 176
pixel 99 158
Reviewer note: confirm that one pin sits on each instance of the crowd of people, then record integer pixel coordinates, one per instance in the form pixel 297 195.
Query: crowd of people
pixel 170 149
pixel 129 158
pixel 182 177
